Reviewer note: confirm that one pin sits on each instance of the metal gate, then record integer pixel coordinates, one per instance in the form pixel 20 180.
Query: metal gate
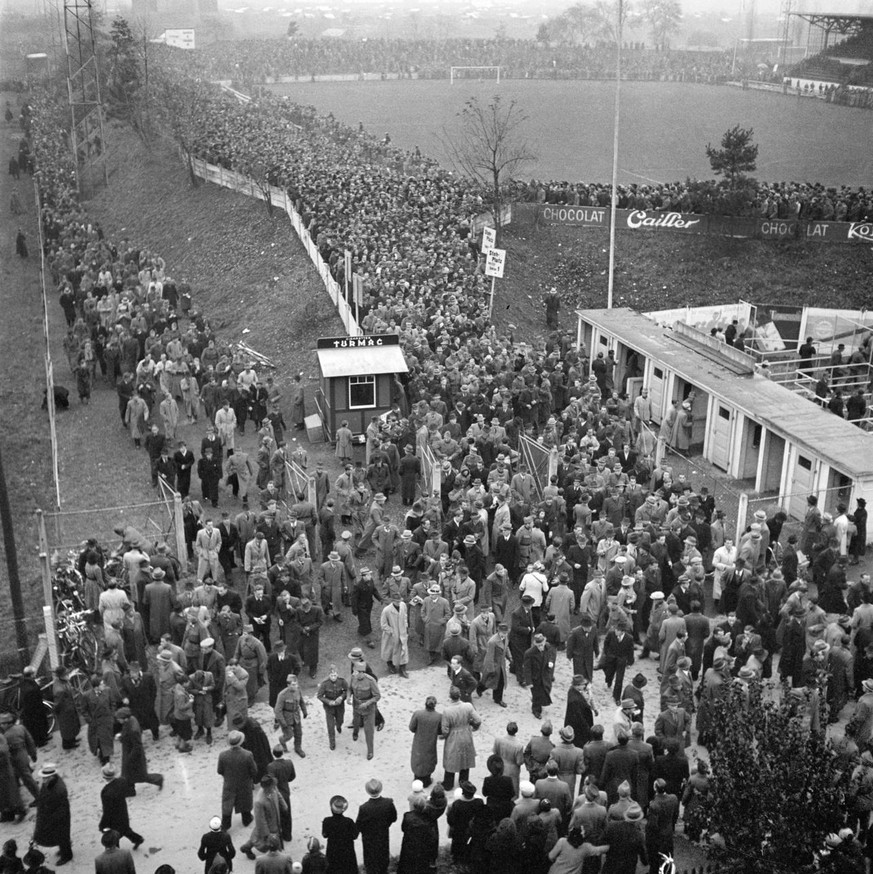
pixel 431 472
pixel 540 461
pixel 300 482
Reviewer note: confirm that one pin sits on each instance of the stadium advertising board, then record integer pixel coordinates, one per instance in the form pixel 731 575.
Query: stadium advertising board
pixel 777 229
pixel 840 232
pixel 692 223
pixel 633 219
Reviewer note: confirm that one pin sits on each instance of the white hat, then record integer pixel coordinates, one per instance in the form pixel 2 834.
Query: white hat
pixel 527 788
pixel 215 824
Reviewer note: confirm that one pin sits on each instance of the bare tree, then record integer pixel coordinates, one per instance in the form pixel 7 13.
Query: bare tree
pixel 488 148
pixel 181 104
pixel 605 18
pixel 663 18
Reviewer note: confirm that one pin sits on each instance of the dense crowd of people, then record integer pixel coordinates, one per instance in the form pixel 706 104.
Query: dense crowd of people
pixel 493 577
pixel 806 201
pixel 255 61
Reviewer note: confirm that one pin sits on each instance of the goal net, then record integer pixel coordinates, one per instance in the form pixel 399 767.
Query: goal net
pixel 491 74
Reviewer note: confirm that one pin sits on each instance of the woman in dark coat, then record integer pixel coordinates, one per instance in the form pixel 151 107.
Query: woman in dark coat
pixel 66 714
pixel 340 832
pixel 52 827
pixel 419 845
pixel 498 789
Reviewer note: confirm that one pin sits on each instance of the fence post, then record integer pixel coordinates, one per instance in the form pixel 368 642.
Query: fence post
pixel 44 560
pixel 742 512
pixel 179 525
pixel 48 614
pixel 51 637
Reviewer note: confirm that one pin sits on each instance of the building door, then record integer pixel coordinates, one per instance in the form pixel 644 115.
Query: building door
pixel 720 439
pixel 802 485
pixel 656 393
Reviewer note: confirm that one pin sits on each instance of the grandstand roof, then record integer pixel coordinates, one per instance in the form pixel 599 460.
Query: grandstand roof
pixel 838 21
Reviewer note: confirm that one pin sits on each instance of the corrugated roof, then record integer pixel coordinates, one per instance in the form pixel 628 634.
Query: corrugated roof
pixel 814 430
pixel 362 361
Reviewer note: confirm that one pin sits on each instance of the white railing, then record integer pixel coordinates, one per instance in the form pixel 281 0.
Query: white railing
pixel 244 185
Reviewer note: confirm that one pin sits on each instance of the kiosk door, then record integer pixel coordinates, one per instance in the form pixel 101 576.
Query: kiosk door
pixel 656 392
pixel 722 425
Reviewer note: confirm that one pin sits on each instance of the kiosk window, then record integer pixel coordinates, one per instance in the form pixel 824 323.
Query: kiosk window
pixel 362 392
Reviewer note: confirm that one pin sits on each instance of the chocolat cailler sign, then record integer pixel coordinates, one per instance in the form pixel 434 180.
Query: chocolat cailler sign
pixel 634 219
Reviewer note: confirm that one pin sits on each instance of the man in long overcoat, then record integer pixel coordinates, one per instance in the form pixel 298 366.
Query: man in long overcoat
pixel 579 715
pixel 494 664
pixel 435 614
pixel 134 768
pixel 237 767
pixel 375 818
pixel 459 722
pixel 521 626
pixel 113 798
pixel 52 828
pixel 158 602
pixel 582 646
pixel 395 635
pixel 425 726
pixel 252 658
pixel 539 673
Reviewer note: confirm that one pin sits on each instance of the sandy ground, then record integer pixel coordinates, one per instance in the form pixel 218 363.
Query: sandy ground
pixel 173 820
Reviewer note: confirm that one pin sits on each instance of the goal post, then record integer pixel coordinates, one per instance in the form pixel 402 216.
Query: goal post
pixel 474 73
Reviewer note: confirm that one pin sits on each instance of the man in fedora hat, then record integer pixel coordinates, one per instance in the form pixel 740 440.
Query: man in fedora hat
pixel 237 767
pixel 134 767
pixel 569 759
pixel 395 635
pixel 336 583
pixel 539 673
pixel 52 827
pixel 626 843
pixel 435 614
pixel 113 797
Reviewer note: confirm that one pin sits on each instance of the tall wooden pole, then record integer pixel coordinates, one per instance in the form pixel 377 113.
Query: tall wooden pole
pixel 611 282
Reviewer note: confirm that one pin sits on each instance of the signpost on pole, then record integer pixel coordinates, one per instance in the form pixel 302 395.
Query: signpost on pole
pixel 489 240
pixel 347 263
pixel 495 261
pixel 358 295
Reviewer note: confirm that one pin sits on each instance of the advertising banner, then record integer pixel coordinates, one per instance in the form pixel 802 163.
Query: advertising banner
pixel 692 223
pixel 777 229
pixel 840 232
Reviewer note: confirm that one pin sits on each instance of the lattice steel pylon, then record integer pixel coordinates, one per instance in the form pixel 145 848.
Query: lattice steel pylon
pixel 83 91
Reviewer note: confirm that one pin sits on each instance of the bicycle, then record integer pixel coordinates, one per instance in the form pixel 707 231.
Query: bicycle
pixel 10 697
pixel 78 642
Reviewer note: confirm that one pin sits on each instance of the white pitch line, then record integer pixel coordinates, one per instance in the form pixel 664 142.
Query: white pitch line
pixel 640 176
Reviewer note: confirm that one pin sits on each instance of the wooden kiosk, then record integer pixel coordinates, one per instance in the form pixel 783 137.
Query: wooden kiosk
pixel 356 378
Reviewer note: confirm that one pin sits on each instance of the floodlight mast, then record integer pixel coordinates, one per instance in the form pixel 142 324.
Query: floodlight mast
pixel 614 203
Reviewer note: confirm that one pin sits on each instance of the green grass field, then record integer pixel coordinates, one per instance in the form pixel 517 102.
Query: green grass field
pixel 665 126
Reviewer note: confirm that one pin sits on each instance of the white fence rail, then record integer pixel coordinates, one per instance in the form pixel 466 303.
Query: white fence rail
pixel 244 185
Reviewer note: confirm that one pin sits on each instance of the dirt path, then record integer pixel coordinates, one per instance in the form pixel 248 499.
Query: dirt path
pixel 24 440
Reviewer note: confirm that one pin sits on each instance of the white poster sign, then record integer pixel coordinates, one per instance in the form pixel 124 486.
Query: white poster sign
pixel 495 260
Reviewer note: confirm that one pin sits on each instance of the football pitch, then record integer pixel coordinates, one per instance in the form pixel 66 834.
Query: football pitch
pixel 665 126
